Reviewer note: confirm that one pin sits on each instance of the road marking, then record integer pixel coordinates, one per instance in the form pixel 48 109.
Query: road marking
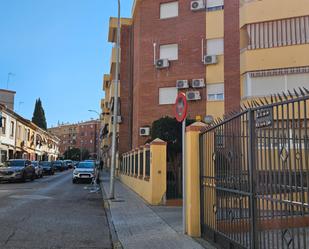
pixel 31 197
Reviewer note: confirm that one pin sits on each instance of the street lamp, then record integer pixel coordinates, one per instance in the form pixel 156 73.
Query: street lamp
pixel 99 141
pixel 115 114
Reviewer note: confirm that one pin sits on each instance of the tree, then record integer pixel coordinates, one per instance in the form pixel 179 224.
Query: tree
pixel 72 154
pixel 85 154
pixel 39 115
pixel 170 130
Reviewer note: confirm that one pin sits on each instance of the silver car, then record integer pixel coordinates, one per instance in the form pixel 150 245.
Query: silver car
pixel 18 169
pixel 83 171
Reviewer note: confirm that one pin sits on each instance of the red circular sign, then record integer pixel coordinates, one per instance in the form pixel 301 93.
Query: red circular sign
pixel 181 107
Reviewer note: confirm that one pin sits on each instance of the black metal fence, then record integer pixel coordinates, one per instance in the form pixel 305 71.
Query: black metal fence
pixel 255 175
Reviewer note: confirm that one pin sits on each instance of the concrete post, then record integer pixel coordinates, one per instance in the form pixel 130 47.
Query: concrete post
pixel 158 168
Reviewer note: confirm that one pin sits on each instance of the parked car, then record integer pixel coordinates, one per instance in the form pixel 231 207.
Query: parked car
pixel 18 169
pixel 48 168
pixel 75 163
pixel 69 163
pixel 59 165
pixel 38 169
pixel 83 171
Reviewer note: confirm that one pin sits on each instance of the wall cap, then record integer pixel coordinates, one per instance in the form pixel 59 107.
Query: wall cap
pixel 197 126
pixel 158 141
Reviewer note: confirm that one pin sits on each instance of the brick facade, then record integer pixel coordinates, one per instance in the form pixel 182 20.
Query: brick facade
pixel 81 135
pixel 187 30
pixel 126 79
pixel 231 55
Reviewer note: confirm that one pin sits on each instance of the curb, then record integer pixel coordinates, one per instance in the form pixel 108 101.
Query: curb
pixel 116 244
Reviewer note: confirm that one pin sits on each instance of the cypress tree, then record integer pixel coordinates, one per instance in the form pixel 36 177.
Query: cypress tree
pixel 39 115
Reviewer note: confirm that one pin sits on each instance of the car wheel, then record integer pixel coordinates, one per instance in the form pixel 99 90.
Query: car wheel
pixel 74 181
pixel 23 179
pixel 33 177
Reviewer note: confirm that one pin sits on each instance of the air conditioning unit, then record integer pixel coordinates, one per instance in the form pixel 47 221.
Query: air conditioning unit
pixel 210 59
pixel 198 5
pixel 162 63
pixel 198 83
pixel 181 84
pixel 193 95
pixel 144 131
pixel 119 119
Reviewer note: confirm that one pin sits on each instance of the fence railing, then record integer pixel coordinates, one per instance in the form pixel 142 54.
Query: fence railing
pixel 255 175
pixel 144 171
pixel 136 163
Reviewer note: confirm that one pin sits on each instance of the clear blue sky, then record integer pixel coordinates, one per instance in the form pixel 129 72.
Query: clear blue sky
pixel 59 52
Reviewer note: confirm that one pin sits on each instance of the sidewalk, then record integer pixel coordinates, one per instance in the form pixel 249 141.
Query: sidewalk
pixel 140 226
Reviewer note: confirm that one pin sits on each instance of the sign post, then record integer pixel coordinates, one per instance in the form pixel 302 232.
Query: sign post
pixel 181 108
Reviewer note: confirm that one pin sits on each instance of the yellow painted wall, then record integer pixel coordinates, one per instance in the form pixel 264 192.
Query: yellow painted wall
pixel 273 58
pixel 266 10
pixel 158 173
pixel 214 24
pixel 152 189
pixel 215 73
pixel 192 188
pixel 215 108
pixel 140 186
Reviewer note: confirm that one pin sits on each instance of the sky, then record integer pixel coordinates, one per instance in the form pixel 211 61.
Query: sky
pixel 58 51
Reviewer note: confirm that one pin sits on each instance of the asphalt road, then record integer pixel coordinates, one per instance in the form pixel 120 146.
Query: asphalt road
pixel 52 213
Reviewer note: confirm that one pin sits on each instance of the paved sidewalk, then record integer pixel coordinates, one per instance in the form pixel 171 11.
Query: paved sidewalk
pixel 140 226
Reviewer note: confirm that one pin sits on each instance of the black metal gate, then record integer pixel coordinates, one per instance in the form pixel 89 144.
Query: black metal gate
pixel 255 175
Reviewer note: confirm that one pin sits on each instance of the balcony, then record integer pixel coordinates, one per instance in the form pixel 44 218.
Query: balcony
pixel 254 11
pixel 273 58
pixel 113 22
pixel 113 60
pixel 106 81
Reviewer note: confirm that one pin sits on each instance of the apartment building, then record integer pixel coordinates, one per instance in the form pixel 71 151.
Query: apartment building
pixel 83 135
pixel 22 139
pixel 236 50
pixel 162 53
pixel 274 43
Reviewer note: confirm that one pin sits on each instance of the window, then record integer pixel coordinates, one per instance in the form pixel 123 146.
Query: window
pixel 28 135
pixel 213 5
pixel 271 84
pixel 215 46
pixel 3 125
pixel 167 95
pixel 3 155
pixel 19 131
pixel 169 52
pixel 215 92
pixel 169 10
pixel 12 129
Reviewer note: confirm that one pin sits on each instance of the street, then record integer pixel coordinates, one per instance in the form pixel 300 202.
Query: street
pixel 52 213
